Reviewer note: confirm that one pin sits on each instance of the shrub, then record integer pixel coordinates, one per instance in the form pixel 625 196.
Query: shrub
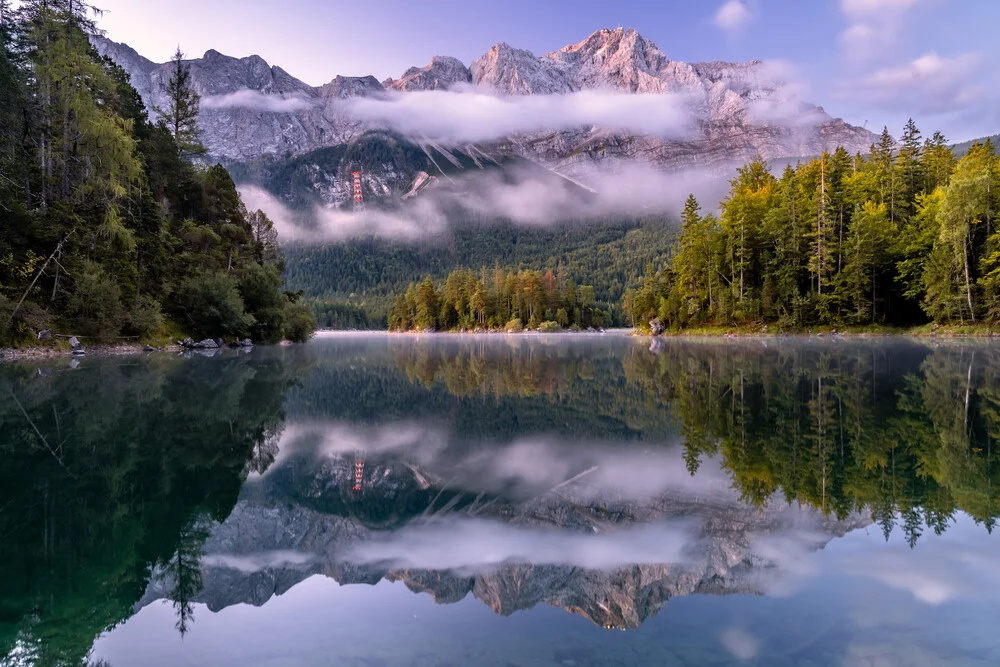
pixel 145 317
pixel 514 326
pixel 210 305
pixel 300 322
pixel 549 326
pixel 260 288
pixel 94 307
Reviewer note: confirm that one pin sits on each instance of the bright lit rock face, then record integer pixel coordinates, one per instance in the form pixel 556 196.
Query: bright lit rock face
pixel 252 110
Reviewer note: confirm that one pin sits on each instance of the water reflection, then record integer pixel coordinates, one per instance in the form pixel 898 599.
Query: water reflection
pixel 112 469
pixel 597 475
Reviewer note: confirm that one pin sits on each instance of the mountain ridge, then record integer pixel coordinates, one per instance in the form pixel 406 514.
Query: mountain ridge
pixel 279 115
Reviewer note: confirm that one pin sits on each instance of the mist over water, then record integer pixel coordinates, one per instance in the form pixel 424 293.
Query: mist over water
pixel 500 498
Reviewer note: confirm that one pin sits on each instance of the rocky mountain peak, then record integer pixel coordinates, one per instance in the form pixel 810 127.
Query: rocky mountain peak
pixel 615 59
pixel 252 110
pixel 440 74
pixel 351 86
pixel 511 71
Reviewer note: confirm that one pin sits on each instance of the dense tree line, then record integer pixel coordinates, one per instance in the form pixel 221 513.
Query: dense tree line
pixel 506 300
pixel 108 227
pixel 900 236
pixel 368 274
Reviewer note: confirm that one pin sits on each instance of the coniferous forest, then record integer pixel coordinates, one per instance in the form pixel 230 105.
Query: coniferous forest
pixel 902 236
pixel 113 226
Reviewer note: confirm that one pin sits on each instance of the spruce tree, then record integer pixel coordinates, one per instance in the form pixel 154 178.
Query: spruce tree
pixel 183 105
pixel 910 168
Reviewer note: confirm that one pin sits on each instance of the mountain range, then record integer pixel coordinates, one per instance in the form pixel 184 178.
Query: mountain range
pixel 255 116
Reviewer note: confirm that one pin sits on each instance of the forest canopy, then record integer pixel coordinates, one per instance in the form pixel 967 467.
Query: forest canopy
pixel 901 236
pixel 112 227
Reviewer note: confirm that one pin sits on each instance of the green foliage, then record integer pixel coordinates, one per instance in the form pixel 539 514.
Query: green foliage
pixel 183 105
pixel 259 288
pixel 105 222
pixel 367 274
pixel 300 323
pixel 95 302
pixel 901 235
pixel 495 300
pixel 210 305
pixel 145 317
pixel 514 326
pixel 549 326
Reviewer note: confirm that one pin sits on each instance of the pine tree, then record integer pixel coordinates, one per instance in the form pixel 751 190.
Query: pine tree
pixel 910 167
pixel 937 161
pixel 183 106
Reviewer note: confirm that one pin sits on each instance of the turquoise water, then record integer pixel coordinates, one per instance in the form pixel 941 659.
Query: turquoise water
pixel 584 500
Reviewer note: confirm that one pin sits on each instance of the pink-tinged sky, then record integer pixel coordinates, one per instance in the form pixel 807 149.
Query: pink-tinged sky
pixel 874 60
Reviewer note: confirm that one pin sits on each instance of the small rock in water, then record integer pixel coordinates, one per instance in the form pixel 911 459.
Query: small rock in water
pixel 78 348
pixel 207 344
pixel 149 348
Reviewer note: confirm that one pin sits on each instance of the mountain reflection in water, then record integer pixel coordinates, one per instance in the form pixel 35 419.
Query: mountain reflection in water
pixel 602 475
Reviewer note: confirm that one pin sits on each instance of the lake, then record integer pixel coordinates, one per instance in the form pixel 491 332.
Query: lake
pixel 453 501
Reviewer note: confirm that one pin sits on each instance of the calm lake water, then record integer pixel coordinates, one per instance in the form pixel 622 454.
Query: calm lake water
pixel 576 500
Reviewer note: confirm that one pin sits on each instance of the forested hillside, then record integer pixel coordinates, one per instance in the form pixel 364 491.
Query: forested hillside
pixel 353 284
pixel 109 230
pixel 901 236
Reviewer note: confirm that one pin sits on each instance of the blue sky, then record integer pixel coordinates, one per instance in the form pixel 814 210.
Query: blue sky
pixel 874 60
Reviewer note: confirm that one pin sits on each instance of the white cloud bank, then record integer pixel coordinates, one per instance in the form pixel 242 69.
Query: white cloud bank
pixel 520 197
pixel 463 116
pixel 256 101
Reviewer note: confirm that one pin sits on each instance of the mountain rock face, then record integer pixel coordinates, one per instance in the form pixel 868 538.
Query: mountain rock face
pixel 302 519
pixel 441 73
pixel 252 111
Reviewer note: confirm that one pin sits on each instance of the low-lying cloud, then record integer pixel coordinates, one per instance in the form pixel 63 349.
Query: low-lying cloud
pixel 257 101
pixel 463 116
pixel 518 196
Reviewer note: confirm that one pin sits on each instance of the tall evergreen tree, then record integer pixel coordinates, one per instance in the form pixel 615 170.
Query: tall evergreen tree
pixel 183 106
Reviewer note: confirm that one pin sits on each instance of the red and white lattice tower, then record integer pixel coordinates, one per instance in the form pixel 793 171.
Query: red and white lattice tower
pixel 359 199
pixel 359 472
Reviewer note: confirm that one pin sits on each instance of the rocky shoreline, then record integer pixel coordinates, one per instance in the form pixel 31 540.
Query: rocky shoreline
pixel 8 354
